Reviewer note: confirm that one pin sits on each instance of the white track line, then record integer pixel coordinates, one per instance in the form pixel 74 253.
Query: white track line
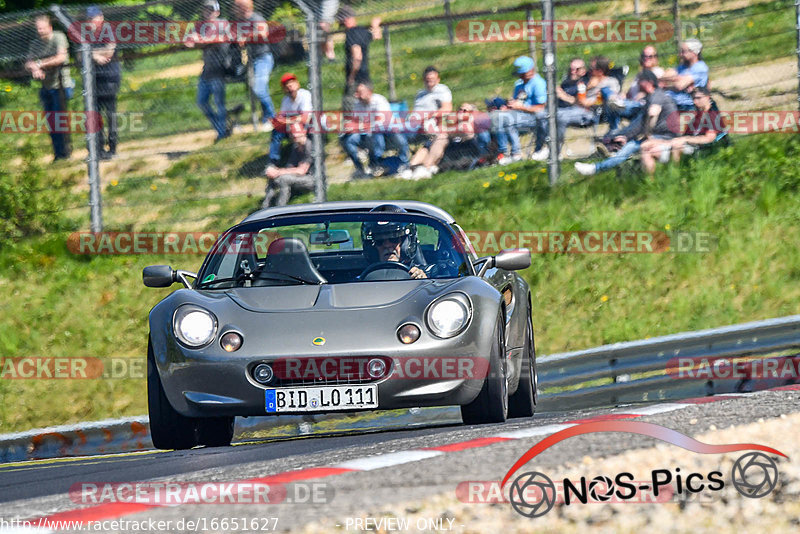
pixel 386 460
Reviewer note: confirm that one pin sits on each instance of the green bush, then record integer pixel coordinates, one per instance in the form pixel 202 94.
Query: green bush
pixel 29 204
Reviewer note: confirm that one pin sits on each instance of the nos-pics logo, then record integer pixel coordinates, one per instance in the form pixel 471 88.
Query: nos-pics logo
pixel 533 494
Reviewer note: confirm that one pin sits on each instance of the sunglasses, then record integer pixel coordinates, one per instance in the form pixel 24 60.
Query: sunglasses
pixel 649 56
pixel 388 240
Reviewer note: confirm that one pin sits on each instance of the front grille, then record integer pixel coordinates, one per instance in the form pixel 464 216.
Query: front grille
pixel 323 371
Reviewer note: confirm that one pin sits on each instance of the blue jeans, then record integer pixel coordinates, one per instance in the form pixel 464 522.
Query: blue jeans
pixel 374 143
pixel 262 67
pixel 398 141
pixel 51 102
pixel 483 139
pixel 629 149
pixel 275 146
pixel 506 125
pixel 215 87
pixel 571 116
pixel 632 109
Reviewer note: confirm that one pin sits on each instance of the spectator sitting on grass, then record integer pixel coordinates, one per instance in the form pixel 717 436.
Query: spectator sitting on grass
pixel 617 108
pixel 297 102
pixel 297 176
pixel 655 124
pixel 373 111
pixel 434 100
pixel 691 73
pixel 581 112
pixel 704 128
pixel 523 111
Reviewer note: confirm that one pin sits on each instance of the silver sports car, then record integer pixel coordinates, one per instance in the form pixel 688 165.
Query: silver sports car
pixel 339 306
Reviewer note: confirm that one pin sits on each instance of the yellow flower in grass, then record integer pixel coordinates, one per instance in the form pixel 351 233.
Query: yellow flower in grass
pixel 8 88
pixel 485 184
pixel 507 178
pixel 667 227
pixel 153 187
pixel 604 298
pixel 501 174
pixel 587 51
pixel 114 183
pixel 514 176
pixel 543 170
pixel 413 76
pixel 749 23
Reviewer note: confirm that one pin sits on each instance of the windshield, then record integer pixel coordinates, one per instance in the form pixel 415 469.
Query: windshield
pixel 334 249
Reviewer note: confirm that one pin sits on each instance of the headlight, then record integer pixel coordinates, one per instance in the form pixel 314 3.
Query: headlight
pixel 194 326
pixel 449 315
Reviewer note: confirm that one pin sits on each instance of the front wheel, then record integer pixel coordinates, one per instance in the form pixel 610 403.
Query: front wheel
pixel 168 428
pixel 491 404
pixel 523 402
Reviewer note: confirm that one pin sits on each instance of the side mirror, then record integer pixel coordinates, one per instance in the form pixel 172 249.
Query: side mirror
pixel 158 276
pixel 510 260
pixel 513 259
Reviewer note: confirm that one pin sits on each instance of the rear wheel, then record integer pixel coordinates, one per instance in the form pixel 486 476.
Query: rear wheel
pixel 215 431
pixel 491 404
pixel 523 402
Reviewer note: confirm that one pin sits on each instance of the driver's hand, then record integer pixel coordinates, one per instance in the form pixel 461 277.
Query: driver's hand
pixel 417 273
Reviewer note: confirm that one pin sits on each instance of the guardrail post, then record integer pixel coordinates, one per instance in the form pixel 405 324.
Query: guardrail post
pixel 548 43
pixel 450 34
pixel 387 45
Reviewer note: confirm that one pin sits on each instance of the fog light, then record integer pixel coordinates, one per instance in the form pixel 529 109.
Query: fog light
pixel 263 373
pixel 231 341
pixel 408 333
pixel 376 368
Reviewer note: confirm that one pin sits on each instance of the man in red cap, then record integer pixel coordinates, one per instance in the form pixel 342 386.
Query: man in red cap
pixel 294 106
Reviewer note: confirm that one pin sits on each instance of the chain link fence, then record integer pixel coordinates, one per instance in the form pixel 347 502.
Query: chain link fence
pixel 171 171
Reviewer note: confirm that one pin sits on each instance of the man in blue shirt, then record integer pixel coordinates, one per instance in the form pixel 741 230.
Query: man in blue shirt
pixel 525 110
pixel 692 72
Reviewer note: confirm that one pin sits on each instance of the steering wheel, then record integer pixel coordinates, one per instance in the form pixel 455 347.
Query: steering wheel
pixel 385 265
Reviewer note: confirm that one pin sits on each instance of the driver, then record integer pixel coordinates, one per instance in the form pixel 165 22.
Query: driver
pixel 394 241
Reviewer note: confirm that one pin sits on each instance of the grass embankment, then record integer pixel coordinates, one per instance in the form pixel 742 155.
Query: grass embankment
pixel 58 304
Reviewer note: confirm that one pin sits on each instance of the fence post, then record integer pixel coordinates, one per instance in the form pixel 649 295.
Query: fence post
pixel 531 32
pixel 447 13
pixel 636 10
pixel 549 46
pixel 387 45
pixel 92 123
pixel 315 81
pixel 676 24
pixel 254 104
pixel 797 27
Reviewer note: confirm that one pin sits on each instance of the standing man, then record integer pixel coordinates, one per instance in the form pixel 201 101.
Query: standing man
pixel 107 75
pixel 691 73
pixel 47 61
pixel 356 52
pixel 259 53
pixel 374 111
pixel 212 79
pixel 294 108
pixel 654 126
pixel 524 110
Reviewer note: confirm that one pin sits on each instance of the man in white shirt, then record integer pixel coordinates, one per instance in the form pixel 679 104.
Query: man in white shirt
pixel 367 129
pixel 435 99
pixel 295 106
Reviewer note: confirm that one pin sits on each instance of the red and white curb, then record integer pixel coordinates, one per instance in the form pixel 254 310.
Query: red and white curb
pixel 109 511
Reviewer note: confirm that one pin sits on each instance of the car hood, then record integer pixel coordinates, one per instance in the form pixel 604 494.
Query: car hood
pixel 331 296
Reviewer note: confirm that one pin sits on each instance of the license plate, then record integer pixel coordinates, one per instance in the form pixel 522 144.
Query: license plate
pixel 321 398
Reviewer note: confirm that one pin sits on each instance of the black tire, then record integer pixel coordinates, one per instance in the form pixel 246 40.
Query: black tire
pixel 523 402
pixel 168 428
pixel 491 404
pixel 215 431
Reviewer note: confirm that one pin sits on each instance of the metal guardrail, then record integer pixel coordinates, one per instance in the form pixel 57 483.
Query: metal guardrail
pixel 656 358
pixel 617 364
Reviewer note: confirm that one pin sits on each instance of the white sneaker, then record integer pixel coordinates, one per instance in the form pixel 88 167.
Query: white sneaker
pixel 265 127
pixel 406 174
pixel 586 169
pixel 505 160
pixel 421 173
pixel 541 155
pixel 434 170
